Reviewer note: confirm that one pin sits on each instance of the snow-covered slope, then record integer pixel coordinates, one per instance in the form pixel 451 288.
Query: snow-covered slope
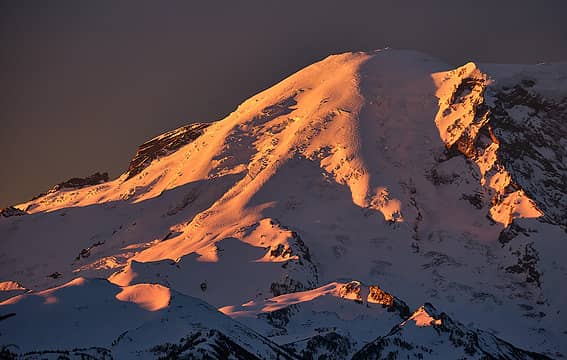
pixel 351 312
pixel 438 184
pixel 428 334
pixel 142 321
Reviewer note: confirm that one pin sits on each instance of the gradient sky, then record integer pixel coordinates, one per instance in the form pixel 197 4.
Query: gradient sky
pixel 84 82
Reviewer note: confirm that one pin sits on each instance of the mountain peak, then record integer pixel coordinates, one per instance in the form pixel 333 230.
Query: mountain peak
pixel 390 167
pixel 425 315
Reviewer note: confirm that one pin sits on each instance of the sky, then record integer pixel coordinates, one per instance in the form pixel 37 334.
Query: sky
pixel 83 83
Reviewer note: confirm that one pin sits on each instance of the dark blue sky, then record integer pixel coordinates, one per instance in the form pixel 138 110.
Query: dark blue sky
pixel 84 82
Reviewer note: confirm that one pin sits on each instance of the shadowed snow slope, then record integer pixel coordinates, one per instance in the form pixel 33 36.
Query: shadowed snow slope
pixel 129 321
pixel 390 167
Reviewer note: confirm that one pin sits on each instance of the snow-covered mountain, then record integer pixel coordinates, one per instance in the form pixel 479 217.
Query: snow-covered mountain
pixel 321 217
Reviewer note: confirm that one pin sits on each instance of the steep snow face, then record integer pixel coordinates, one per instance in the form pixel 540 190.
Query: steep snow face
pixel 388 167
pixel 464 125
pixel 529 108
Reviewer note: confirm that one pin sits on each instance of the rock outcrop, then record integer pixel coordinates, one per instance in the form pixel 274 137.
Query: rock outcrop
pixel 163 145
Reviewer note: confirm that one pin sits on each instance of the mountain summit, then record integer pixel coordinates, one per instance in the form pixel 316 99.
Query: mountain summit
pixel 315 216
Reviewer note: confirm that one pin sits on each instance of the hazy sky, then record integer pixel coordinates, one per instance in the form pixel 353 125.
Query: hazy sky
pixel 84 82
